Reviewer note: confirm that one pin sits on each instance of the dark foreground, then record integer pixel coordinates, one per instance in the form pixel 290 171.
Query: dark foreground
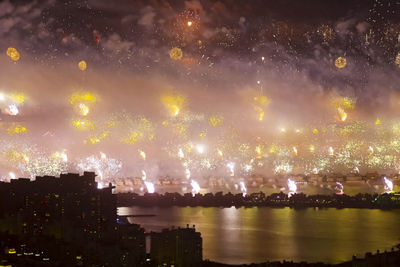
pixel 387 259
pixel 68 221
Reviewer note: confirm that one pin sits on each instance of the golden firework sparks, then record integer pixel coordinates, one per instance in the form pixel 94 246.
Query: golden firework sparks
pixel 83 109
pixel 18 97
pixel 216 121
pixel 16 129
pixel 371 149
pixel 97 139
pixel 203 134
pixel 295 150
pixel 259 151
pixel 345 103
pixel 13 54
pixel 273 149
pixel 397 60
pixel 141 129
pixel 261 102
pixel 173 103
pixel 82 65
pixel 133 137
pixel 142 154
pixel 176 53
pixel 327 33
pixel 12 154
pixel 342 114
pixel 83 125
pixel 61 155
pixel 261 113
pixel 79 98
pixel 340 62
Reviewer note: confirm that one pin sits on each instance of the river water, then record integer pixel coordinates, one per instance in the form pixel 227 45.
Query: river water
pixel 247 235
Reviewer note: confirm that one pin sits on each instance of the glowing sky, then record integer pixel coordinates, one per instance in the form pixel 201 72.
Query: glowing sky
pixel 169 76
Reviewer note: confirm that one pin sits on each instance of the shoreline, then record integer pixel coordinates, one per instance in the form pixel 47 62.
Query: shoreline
pixel 278 200
pixel 385 258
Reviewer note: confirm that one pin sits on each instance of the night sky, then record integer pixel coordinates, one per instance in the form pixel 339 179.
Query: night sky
pixel 248 71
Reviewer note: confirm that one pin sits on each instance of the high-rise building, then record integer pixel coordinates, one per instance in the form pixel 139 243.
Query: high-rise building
pixel 176 247
pixel 69 219
pixel 55 205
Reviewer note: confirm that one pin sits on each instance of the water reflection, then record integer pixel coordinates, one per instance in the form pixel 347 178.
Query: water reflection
pixel 247 235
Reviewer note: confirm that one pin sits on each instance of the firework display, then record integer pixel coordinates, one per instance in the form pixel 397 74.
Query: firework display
pixel 13 54
pixel 185 97
pixel 292 187
pixel 82 65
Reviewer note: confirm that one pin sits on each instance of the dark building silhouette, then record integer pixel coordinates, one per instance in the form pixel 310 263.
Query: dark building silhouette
pixel 176 247
pixel 34 207
pixel 67 220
